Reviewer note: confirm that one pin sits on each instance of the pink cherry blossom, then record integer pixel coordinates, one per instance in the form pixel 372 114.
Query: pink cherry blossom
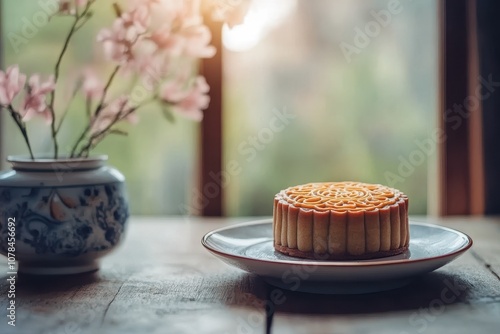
pixel 148 64
pixel 197 42
pixel 230 12
pixel 152 70
pixel 126 30
pixel 115 43
pixel 117 110
pixel 34 102
pixel 236 15
pixel 11 83
pixel 193 41
pixel 166 40
pixel 137 20
pixel 191 12
pixel 182 32
pixel 92 86
pixel 172 91
pixel 195 101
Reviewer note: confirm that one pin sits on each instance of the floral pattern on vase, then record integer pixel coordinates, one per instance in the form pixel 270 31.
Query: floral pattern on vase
pixel 67 213
pixel 64 221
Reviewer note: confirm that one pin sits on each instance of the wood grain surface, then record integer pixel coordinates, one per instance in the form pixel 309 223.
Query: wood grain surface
pixel 161 280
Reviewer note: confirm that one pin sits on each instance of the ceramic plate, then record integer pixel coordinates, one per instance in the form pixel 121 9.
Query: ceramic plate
pixel 249 247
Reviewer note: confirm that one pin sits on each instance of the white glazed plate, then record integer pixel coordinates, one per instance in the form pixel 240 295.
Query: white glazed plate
pixel 249 246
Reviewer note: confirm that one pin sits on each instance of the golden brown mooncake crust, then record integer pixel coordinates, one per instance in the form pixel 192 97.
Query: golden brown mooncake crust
pixel 340 221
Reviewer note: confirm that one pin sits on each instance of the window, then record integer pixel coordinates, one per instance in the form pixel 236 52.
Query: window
pixel 313 91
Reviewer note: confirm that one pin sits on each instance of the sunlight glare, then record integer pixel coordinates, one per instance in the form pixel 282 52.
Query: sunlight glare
pixel 261 18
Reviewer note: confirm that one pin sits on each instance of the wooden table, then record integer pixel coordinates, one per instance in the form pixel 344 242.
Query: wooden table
pixel 162 280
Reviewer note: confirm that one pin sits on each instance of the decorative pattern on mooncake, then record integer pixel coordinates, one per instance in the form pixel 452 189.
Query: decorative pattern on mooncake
pixel 340 220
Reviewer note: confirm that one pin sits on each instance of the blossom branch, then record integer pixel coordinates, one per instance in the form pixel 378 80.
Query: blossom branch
pixel 75 92
pixel 99 136
pixel 98 109
pixel 79 140
pixel 106 89
pixel 96 138
pixel 86 15
pixel 22 126
pixel 57 69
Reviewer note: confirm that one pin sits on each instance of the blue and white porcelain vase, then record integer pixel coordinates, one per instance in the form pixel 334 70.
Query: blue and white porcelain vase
pixel 66 213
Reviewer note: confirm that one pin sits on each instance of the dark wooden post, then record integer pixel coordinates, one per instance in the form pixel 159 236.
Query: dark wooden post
pixel 489 54
pixel 476 151
pixel 460 153
pixel 211 188
pixel 454 157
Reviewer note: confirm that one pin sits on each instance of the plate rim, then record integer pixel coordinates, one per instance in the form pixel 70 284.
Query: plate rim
pixel 308 262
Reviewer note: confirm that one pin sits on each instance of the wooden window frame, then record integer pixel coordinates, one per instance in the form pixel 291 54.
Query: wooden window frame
pixel 460 160
pixel 211 131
